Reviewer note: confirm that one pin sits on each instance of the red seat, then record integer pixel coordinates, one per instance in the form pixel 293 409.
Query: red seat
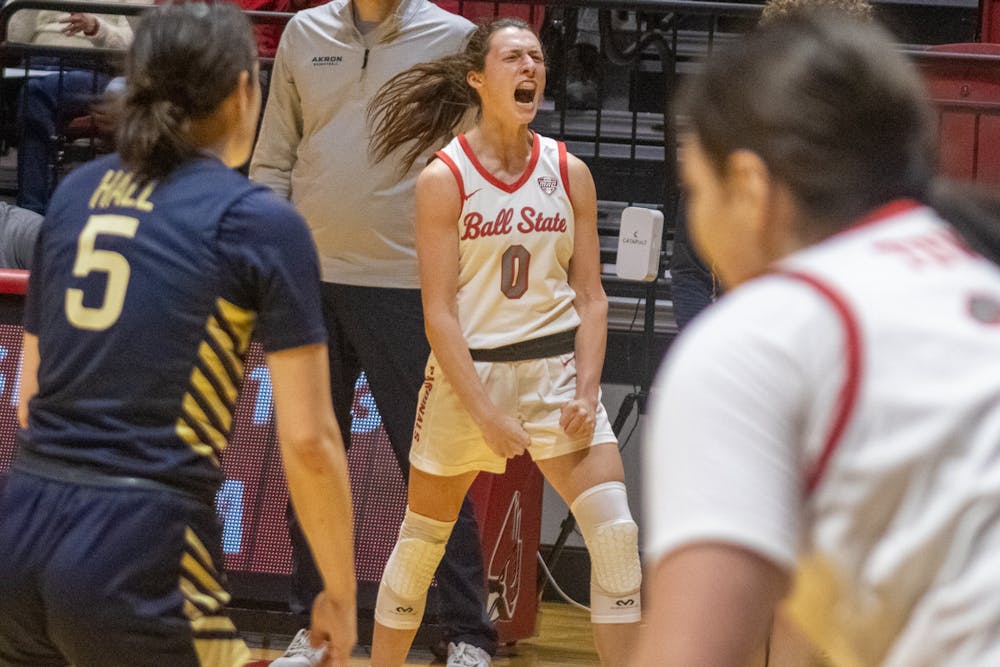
pixel 989 20
pixel 964 82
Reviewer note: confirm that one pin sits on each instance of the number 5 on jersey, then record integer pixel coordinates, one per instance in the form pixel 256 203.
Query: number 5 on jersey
pixel 90 259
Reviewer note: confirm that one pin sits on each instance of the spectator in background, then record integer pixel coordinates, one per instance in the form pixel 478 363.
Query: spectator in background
pixel 48 101
pixel 313 149
pixel 269 34
pixel 18 235
pixel 859 9
pixel 692 285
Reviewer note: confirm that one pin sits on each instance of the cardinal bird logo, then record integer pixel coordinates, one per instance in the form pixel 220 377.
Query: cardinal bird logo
pixel 504 575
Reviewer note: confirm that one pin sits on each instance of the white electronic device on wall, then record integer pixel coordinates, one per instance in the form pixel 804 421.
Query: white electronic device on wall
pixel 639 239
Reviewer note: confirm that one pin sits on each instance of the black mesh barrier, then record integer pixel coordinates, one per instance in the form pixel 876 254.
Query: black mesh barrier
pixel 252 500
pixel 10 374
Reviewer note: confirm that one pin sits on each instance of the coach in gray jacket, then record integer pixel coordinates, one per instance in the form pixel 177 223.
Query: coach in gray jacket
pixel 313 149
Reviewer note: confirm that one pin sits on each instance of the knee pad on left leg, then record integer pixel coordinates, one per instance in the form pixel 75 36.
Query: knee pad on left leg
pixel 402 594
pixel 611 608
pixel 612 539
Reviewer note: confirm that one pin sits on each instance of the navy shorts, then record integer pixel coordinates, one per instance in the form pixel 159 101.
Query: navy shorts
pixel 103 575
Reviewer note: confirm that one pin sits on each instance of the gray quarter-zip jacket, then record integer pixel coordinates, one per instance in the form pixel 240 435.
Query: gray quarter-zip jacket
pixel 313 144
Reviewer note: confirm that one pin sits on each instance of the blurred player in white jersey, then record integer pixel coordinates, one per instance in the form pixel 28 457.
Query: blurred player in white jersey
pixel 517 320
pixel 826 439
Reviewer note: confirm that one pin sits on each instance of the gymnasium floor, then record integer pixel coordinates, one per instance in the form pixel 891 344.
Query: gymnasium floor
pixel 564 640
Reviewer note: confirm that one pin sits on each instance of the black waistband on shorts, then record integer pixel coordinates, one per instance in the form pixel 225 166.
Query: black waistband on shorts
pixel 84 475
pixel 563 342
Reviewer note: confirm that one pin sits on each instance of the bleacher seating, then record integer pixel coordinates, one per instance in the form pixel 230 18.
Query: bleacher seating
pixel 964 82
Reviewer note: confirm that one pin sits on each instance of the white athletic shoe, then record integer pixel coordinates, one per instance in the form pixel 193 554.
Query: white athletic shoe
pixel 299 653
pixel 466 655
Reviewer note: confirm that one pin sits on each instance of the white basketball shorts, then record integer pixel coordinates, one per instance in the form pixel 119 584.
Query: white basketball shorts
pixel 447 442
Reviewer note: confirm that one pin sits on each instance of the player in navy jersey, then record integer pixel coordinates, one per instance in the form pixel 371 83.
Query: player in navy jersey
pixel 506 229
pixel 154 268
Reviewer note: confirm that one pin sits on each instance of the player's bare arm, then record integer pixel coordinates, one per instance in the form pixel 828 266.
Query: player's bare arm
pixel 438 206
pixel 709 585
pixel 591 302
pixel 316 467
pixel 28 386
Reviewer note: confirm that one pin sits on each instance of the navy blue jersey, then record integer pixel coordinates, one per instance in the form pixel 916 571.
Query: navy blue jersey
pixel 144 298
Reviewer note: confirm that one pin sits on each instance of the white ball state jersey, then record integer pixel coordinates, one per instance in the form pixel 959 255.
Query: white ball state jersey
pixel 841 417
pixel 515 245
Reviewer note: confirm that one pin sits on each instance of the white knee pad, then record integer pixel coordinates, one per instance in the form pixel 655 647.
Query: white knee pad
pixel 402 594
pixel 613 542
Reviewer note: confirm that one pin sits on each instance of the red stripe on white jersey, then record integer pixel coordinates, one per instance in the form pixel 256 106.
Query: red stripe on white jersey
pixel 848 396
pixel 493 180
pixel 441 155
pixel 564 168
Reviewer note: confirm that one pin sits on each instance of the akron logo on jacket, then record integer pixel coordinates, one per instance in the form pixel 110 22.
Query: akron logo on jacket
pixel 326 61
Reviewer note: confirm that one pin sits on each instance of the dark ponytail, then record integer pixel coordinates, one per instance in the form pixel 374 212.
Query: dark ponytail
pixel 829 104
pixel 184 61
pixel 423 105
pixel 151 138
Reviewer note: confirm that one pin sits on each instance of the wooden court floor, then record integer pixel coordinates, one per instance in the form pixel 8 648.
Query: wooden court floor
pixel 564 640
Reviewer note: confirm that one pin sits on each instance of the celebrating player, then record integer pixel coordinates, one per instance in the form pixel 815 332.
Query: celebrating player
pixel 516 316
pixel 154 268
pixel 835 420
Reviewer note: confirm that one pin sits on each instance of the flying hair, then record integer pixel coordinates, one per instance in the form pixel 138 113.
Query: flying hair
pixel 421 107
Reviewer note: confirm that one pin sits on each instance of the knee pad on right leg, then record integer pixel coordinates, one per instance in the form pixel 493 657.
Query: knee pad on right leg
pixel 402 594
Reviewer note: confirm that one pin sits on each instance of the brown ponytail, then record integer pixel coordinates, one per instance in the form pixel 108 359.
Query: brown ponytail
pixel 185 59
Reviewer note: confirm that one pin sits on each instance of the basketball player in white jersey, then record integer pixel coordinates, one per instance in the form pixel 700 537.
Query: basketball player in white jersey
pixel 827 436
pixel 517 320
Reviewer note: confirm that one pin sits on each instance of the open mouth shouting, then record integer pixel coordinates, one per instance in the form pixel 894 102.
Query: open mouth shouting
pixel 525 92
